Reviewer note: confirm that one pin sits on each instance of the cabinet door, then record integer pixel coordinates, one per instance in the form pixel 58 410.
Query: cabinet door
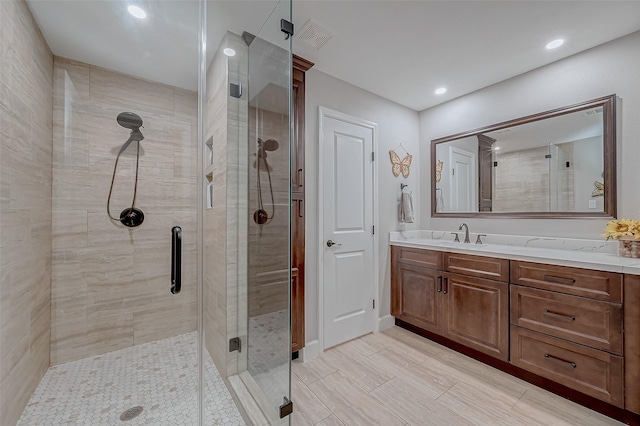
pixel 297 143
pixel 297 311
pixel 416 294
pixel 297 272
pixel 476 314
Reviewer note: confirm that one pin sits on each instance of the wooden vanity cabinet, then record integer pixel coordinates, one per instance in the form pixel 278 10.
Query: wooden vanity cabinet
pixel 573 331
pixel 466 309
pixel 416 284
pixel 476 314
pixel 417 298
pixel 567 327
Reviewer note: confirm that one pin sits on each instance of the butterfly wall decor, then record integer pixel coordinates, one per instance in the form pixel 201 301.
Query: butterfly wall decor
pixel 400 166
pixel 598 190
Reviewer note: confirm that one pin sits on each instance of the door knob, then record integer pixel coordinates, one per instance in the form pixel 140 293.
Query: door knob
pixel 331 243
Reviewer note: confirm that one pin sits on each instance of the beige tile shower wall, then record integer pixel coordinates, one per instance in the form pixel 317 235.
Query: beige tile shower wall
pixel 269 243
pixel 522 181
pixel 111 284
pixel 26 70
pixel 225 232
pixel 215 219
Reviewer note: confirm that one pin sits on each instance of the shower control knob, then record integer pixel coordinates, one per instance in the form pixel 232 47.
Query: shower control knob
pixel 330 243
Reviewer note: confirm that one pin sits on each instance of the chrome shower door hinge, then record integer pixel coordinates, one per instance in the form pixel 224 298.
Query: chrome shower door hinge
pixel 235 344
pixel 286 408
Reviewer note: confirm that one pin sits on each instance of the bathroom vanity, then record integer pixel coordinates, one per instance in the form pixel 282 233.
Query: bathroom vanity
pixel 565 320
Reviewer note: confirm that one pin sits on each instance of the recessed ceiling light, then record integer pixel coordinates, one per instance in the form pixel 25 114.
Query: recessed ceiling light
pixel 440 91
pixel 555 43
pixel 497 148
pixel 137 12
pixel 229 52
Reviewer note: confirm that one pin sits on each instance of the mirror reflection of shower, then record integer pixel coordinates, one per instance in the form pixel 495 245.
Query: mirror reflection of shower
pixel 130 216
pixel 260 216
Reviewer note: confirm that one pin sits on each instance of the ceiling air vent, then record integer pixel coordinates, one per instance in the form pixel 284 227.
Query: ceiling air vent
pixel 314 34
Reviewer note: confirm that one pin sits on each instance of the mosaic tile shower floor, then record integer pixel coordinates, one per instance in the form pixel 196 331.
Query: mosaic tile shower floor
pixel 159 376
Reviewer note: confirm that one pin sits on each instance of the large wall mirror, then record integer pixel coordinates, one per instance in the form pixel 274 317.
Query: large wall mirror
pixel 558 163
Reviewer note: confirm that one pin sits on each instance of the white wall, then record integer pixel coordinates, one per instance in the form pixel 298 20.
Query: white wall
pixel 395 124
pixel 603 70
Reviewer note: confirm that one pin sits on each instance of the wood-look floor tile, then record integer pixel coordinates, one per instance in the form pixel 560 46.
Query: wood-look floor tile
pixel 332 420
pixel 351 404
pixel 416 342
pixel 370 343
pixel 414 403
pixel 548 409
pixel 465 369
pixel 312 371
pixel 395 359
pixel 363 371
pixel 432 385
pixel 308 409
pixel 479 405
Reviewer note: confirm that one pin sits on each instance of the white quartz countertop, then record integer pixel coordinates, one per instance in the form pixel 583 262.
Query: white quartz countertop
pixel 589 254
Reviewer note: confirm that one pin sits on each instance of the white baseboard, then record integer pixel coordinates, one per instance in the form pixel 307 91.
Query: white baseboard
pixel 311 350
pixel 386 322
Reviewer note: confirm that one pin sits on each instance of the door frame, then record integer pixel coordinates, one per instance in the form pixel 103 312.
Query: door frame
pixel 324 112
pixel 475 185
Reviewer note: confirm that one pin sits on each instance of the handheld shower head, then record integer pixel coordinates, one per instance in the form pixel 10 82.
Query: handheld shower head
pixel 129 120
pixel 132 216
pixel 270 144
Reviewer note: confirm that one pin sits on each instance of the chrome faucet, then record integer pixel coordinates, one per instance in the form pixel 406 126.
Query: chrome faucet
pixel 466 232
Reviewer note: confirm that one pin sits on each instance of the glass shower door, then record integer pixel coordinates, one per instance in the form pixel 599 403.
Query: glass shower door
pixel 246 194
pixel 268 254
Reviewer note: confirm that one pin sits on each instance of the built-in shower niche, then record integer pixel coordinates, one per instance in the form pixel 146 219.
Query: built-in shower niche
pixel 208 172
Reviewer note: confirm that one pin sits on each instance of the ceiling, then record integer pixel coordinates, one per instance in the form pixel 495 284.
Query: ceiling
pixel 399 50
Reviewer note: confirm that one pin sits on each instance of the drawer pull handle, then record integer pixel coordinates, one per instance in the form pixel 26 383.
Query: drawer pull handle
pixel 559 316
pixel 554 358
pixel 446 285
pixel 439 289
pixel 559 280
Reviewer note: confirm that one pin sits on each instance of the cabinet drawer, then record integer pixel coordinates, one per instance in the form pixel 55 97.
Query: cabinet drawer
pixel 590 371
pixel 590 322
pixel 477 266
pixel 418 257
pixel 580 282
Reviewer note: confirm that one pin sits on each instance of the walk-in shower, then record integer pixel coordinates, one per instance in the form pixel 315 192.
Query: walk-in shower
pixel 162 324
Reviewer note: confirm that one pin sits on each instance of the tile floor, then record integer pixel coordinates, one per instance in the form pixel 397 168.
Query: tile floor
pixel 268 353
pixel 159 376
pixel 399 378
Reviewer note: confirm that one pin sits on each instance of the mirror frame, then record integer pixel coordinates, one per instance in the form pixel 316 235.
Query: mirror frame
pixel 608 104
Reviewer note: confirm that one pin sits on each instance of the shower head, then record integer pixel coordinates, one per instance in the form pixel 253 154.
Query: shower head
pixel 268 145
pixel 129 120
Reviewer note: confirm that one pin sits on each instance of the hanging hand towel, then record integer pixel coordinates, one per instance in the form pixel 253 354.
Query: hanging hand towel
pixel 406 208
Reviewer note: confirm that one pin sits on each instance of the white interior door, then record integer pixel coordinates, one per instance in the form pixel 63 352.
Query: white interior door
pixel 347 208
pixel 463 180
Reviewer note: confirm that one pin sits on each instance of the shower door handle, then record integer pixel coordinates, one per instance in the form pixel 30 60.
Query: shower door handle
pixel 176 259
